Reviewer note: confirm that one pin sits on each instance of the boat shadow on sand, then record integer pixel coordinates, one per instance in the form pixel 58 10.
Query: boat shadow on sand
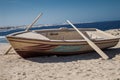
pixel 69 58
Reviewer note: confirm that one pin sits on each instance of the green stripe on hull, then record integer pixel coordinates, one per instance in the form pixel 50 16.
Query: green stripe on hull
pixel 67 49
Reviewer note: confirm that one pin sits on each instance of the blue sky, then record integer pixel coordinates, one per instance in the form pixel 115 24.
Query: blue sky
pixel 22 12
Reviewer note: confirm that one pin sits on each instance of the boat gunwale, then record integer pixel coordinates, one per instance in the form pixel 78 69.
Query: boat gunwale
pixel 20 39
pixel 55 29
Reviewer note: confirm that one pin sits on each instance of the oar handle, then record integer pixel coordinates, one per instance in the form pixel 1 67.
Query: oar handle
pixel 36 19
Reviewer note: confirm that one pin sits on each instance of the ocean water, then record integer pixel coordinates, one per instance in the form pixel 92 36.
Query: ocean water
pixel 100 25
pixel 3 39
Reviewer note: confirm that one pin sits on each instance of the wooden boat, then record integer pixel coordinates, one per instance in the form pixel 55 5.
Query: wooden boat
pixel 61 41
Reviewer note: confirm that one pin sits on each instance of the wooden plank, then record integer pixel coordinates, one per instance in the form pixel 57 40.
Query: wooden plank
pixel 8 50
pixel 36 19
pixel 92 44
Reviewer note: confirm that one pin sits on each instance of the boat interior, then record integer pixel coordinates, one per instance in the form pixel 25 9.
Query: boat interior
pixel 65 34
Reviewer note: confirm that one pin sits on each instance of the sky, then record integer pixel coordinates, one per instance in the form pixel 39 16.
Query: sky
pixel 23 12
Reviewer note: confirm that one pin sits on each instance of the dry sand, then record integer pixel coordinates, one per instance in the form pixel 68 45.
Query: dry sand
pixel 77 67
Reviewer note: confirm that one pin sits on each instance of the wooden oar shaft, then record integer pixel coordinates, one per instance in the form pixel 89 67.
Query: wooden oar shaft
pixel 8 50
pixel 27 29
pixel 93 45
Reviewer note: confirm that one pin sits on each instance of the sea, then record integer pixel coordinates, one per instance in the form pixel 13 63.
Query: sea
pixel 105 25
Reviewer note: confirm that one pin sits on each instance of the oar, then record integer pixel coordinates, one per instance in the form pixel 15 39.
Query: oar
pixel 92 44
pixel 8 50
pixel 36 19
pixel 27 29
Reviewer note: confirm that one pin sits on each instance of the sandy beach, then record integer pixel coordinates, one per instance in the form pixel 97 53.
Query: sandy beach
pixel 89 66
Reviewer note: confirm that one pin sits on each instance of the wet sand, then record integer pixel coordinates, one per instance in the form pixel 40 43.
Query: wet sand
pixel 89 66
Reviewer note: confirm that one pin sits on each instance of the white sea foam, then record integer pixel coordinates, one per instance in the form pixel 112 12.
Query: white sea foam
pixel 2 37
